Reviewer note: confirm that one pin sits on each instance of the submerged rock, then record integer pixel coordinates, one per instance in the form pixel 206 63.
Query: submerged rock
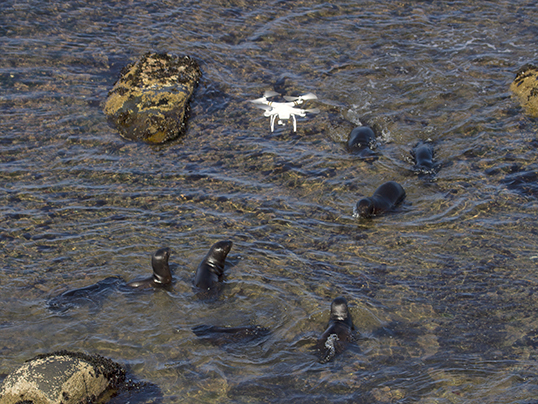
pixel 227 335
pixel 524 182
pixel 150 100
pixel 62 377
pixel 525 86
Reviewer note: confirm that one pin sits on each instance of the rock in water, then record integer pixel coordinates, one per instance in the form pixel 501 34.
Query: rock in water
pixel 525 86
pixel 61 377
pixel 226 335
pixel 150 100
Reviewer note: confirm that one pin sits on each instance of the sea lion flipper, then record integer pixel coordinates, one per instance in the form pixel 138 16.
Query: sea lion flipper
pixel 161 269
pixel 161 272
pixel 202 330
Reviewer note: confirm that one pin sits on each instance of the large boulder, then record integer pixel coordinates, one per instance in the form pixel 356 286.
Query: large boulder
pixel 150 100
pixel 61 377
pixel 525 86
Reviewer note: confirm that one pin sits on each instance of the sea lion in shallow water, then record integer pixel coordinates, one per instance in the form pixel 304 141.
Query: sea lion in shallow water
pixel 361 140
pixel 94 294
pixel 89 295
pixel 423 156
pixel 226 335
pixel 211 269
pixel 161 271
pixel 386 197
pixel 339 332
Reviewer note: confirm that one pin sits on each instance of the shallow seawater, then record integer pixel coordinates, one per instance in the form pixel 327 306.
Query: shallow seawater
pixel 442 290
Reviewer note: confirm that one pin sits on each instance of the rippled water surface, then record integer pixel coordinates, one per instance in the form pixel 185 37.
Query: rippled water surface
pixel 443 291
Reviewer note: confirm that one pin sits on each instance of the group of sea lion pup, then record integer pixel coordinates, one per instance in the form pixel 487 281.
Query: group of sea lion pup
pixel 388 195
pixel 210 271
pixel 207 282
pixel 360 142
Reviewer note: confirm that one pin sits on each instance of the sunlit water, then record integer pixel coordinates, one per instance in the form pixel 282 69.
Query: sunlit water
pixel 442 291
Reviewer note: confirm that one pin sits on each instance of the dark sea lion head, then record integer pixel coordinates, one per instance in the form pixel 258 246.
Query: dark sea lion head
pixel 161 270
pixel 364 208
pixel 340 310
pixel 423 154
pixel 361 137
pixel 218 252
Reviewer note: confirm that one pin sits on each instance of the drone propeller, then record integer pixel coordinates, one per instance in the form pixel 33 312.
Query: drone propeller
pixel 267 94
pixel 263 106
pixel 312 111
pixel 301 98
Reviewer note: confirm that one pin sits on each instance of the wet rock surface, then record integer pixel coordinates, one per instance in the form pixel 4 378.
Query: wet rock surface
pixel 525 86
pixel 150 100
pixel 62 377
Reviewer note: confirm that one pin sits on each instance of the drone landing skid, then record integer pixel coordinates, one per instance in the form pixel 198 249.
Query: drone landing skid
pixel 273 119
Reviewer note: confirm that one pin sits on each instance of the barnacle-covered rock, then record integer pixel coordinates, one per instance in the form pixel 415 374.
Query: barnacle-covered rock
pixel 150 100
pixel 61 377
pixel 525 86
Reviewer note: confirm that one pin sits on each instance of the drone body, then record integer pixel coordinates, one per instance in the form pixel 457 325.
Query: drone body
pixel 284 111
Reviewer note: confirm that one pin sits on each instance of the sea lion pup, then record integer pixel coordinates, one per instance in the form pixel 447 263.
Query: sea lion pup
pixel 226 335
pixel 94 294
pixel 360 142
pixel 423 156
pixel 161 271
pixel 339 331
pixel 211 269
pixel 386 197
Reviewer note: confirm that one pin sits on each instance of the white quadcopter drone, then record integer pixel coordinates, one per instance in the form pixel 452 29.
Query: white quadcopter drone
pixel 284 110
